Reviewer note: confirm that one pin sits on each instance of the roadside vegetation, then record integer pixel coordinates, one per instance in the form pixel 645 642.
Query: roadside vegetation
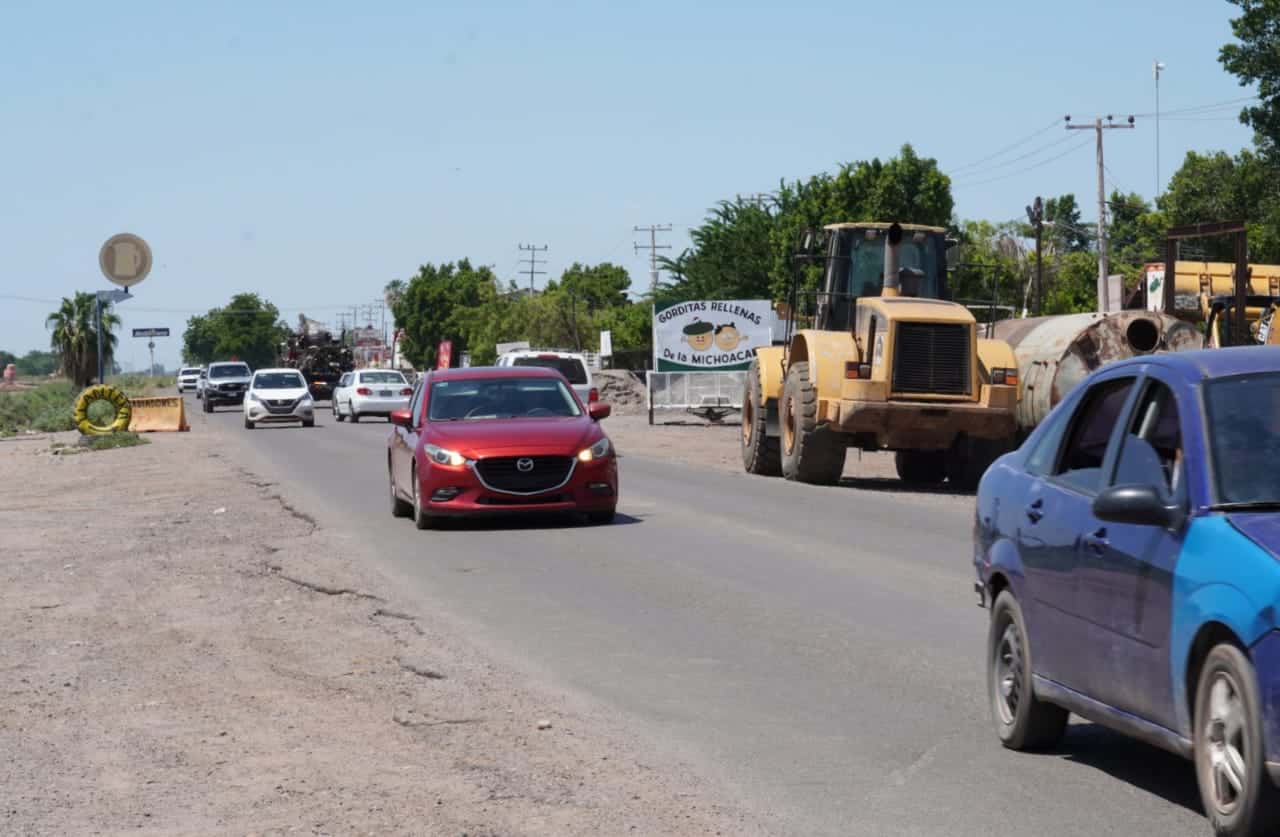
pixel 47 407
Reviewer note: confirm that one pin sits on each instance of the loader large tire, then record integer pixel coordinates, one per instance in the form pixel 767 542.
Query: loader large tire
pixel 761 453
pixel 810 453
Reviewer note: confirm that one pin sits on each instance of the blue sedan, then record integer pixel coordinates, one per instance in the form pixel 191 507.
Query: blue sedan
pixel 1129 552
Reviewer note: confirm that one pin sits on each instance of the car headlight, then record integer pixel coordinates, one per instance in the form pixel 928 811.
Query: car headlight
pixel 441 456
pixel 597 451
pixel 253 396
pixel 306 399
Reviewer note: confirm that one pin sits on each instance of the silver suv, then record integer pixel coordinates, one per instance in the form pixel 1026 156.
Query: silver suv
pixel 225 383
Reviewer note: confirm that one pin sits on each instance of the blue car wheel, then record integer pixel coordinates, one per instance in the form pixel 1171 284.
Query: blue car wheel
pixel 1023 722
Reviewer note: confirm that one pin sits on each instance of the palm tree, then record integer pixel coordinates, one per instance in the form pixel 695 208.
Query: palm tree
pixel 75 339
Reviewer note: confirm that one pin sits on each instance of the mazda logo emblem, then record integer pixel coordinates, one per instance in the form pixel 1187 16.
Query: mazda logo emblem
pixel 525 465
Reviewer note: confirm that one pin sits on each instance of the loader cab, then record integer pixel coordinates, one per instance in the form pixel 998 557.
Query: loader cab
pixel 855 268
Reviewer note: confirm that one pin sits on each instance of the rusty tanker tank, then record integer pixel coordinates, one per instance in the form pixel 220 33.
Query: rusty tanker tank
pixel 321 358
pixel 1056 353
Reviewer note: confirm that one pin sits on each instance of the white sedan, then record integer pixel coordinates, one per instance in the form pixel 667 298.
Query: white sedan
pixel 278 395
pixel 370 392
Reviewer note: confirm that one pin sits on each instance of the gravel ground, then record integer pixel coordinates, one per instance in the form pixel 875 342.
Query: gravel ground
pixel 187 653
pixel 695 443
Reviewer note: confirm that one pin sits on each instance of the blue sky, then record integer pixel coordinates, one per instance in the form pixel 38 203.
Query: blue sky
pixel 313 151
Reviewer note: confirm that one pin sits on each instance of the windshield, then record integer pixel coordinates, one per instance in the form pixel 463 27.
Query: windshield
pixel 279 380
pixel 237 370
pixel 859 268
pixel 570 367
pixel 1244 435
pixel 189 372
pixel 381 378
pixel 492 398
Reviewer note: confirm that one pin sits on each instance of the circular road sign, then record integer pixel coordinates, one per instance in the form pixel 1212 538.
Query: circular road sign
pixel 125 259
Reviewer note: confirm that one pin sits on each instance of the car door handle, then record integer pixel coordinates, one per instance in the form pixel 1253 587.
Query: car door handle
pixel 1034 513
pixel 1096 543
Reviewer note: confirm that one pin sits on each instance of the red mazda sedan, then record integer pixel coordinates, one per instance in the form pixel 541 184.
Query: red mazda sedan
pixel 500 440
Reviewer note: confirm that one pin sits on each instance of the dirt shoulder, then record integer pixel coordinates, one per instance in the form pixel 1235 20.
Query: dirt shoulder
pixel 686 440
pixel 186 653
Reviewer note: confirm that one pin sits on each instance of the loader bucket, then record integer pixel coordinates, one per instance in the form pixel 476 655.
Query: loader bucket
pixel 165 413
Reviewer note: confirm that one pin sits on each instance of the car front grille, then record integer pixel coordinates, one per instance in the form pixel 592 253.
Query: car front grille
pixel 932 358
pixel 281 406
pixel 504 473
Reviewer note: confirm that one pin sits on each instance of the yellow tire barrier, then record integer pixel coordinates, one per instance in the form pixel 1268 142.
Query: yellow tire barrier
pixel 165 413
pixel 114 397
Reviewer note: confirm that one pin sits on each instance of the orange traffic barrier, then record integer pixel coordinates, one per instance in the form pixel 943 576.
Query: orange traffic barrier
pixel 165 413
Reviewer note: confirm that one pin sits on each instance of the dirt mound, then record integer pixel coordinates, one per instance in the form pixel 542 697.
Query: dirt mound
pixel 622 390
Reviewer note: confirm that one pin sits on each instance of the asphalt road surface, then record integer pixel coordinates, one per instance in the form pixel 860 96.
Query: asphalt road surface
pixel 817 651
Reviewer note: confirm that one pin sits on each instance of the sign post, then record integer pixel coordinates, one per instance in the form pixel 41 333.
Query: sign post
pixel 151 344
pixel 125 260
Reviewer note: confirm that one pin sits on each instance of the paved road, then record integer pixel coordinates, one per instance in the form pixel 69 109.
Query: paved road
pixel 816 650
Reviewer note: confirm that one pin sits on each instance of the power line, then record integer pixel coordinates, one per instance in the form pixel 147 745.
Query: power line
pixel 533 261
pixel 1006 149
pixel 1197 108
pixel 1032 167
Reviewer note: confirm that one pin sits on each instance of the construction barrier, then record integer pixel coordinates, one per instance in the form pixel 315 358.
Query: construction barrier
pixel 165 413
pixel 120 418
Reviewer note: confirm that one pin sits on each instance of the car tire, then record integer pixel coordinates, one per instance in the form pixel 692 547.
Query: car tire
pixel 208 407
pixel 1023 721
pixel 309 422
pixel 248 425
pixel 421 519
pixel 810 453
pixel 355 417
pixel 761 453
pixel 601 518
pixel 925 467
pixel 1227 737
pixel 399 508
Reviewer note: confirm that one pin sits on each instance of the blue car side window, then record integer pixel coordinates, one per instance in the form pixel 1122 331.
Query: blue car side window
pixel 1152 449
pixel 1044 456
pixel 1091 429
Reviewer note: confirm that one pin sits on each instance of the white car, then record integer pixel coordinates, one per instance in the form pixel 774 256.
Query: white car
pixel 188 376
pixel 201 382
pixel 573 366
pixel 370 392
pixel 278 395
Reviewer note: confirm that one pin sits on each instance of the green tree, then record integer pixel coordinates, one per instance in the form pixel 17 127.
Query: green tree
pixel 445 302
pixel 598 286
pixel 1222 187
pixel 1073 288
pixel 731 257
pixel 1067 233
pixel 74 336
pixel 1255 59
pixel 993 266
pixel 248 328
pixel 38 363
pixel 7 358
pixel 907 188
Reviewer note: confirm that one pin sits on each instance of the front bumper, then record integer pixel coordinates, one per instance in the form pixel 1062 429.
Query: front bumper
pixel 592 486
pixel 260 414
pixel 219 396
pixel 900 425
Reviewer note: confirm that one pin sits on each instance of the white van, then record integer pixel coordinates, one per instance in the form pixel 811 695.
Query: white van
pixel 572 366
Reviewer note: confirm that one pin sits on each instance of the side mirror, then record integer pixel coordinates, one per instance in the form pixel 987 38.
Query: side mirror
pixel 401 418
pixel 1140 505
pixel 599 410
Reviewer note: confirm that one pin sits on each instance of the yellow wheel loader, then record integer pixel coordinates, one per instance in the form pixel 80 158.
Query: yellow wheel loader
pixel 888 364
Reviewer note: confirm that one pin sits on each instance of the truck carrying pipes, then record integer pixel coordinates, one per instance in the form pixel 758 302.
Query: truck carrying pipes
pixel 888 364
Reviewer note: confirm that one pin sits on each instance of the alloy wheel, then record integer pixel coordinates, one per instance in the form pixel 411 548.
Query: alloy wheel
pixel 1225 733
pixel 1008 673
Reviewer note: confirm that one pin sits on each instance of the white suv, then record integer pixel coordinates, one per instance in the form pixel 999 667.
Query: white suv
pixel 573 366
pixel 278 395
pixel 188 376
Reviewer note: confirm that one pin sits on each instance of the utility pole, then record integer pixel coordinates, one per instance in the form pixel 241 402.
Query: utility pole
pixel 533 261
pixel 653 247
pixel 1157 66
pixel 1104 266
pixel 1035 214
